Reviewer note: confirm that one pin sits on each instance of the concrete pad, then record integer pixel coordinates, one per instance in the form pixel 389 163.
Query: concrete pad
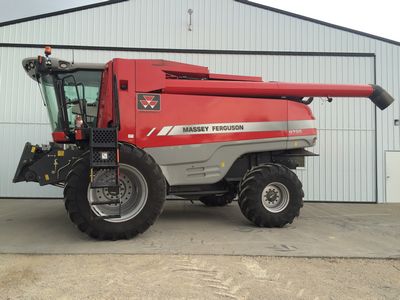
pixel 323 230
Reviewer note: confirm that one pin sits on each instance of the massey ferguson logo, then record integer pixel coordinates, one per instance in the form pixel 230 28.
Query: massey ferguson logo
pixel 149 102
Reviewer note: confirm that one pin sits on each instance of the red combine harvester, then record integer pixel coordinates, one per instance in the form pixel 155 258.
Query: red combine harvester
pixel 130 132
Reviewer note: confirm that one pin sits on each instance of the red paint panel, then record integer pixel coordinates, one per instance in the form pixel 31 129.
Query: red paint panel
pixel 142 75
pixel 215 76
pixel 124 70
pixel 185 110
pixel 59 137
pixel 192 110
pixel 105 100
pixel 151 74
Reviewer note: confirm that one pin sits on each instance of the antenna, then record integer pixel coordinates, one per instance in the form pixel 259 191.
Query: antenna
pixel 73 56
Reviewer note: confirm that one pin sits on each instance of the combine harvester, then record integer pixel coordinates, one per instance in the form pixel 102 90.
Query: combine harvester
pixel 130 132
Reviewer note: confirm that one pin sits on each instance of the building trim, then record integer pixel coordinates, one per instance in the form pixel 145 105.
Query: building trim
pixel 194 51
pixel 304 18
pixel 60 12
pixel 383 200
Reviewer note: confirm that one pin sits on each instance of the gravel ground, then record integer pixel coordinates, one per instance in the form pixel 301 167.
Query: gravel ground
pixel 195 277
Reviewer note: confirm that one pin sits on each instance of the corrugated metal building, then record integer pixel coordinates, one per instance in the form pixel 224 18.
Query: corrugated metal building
pixel 228 36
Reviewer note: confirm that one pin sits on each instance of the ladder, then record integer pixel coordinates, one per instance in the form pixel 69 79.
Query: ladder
pixel 104 166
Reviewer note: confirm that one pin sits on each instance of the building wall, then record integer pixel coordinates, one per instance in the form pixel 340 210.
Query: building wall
pixel 219 25
pixel 342 172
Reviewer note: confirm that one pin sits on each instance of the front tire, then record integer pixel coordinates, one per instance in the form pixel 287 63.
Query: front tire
pixel 142 193
pixel 270 195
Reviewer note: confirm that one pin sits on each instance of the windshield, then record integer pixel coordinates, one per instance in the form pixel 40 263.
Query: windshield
pixel 83 84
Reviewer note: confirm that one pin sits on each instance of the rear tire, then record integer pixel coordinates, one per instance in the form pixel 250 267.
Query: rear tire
pixel 86 218
pixel 270 195
pixel 217 200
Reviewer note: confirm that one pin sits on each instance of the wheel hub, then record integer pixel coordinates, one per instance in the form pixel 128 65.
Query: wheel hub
pixel 110 194
pixel 272 195
pixel 275 197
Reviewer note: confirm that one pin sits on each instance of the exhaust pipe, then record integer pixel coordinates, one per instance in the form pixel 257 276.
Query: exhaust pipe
pixel 380 97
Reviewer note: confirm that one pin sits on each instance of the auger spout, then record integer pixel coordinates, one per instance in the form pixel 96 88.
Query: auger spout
pixel 377 94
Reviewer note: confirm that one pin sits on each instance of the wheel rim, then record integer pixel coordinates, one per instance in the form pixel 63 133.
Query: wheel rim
pixel 275 197
pixel 133 192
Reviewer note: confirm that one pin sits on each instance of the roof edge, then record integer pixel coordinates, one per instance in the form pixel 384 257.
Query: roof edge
pixel 60 12
pixel 196 51
pixel 302 17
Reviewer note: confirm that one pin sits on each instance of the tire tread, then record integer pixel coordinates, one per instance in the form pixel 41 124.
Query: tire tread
pixel 88 224
pixel 252 185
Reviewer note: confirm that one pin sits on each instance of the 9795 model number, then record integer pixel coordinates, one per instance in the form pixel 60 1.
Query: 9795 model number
pixel 295 131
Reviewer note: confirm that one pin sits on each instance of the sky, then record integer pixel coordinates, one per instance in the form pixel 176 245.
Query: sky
pixel 378 18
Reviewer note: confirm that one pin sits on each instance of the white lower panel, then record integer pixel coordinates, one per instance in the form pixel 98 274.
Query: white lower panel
pixel 392 176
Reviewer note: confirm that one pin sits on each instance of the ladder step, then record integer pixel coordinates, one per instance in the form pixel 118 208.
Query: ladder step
pixel 108 217
pixel 104 178
pixel 105 165
pixel 103 137
pixel 105 202
pixel 96 185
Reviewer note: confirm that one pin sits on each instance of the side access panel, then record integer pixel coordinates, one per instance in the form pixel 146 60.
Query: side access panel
pixel 302 131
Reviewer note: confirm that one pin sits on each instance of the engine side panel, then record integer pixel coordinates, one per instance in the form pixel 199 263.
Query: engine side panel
pixel 187 119
pixel 209 163
pixel 196 139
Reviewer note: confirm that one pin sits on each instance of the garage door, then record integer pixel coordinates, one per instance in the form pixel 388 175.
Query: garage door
pixel 344 171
